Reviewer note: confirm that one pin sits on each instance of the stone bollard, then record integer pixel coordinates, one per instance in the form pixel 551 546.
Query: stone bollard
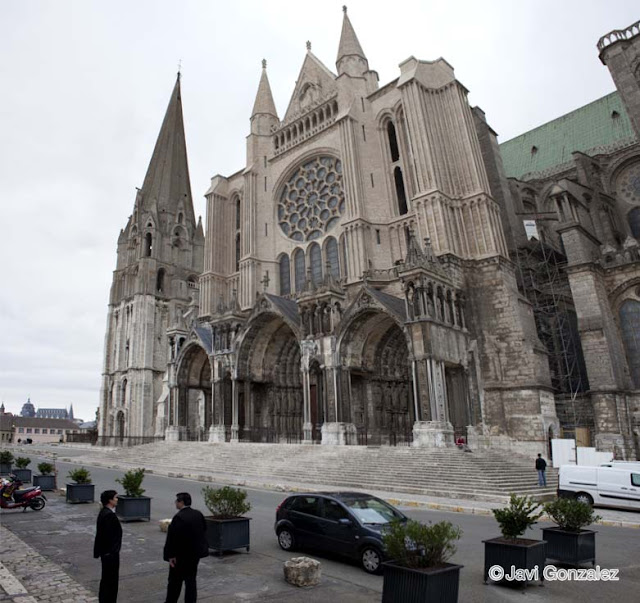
pixel 302 571
pixel 164 524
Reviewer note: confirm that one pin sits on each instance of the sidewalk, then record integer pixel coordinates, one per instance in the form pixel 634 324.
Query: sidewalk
pixel 28 577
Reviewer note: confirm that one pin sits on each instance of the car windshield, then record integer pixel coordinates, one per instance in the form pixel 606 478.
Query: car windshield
pixel 372 511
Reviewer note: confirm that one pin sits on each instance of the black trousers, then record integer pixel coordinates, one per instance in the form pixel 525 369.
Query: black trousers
pixel 184 571
pixel 110 575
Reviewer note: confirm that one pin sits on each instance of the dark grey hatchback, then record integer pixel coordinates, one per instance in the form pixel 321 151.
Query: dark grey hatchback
pixel 346 523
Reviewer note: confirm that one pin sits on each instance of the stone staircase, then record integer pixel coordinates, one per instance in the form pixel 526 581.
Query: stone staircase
pixel 451 473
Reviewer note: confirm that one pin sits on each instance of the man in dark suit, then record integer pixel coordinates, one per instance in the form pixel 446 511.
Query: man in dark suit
pixel 186 544
pixel 107 546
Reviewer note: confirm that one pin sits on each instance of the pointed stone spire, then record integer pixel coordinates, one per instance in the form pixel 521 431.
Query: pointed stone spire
pixel 351 58
pixel 264 99
pixel 167 178
pixel 71 412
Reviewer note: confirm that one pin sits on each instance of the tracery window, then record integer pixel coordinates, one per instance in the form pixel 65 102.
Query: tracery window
pixel 315 261
pixel 298 261
pixel 630 328
pixel 312 200
pixel 285 275
pixel 634 222
pixel 331 250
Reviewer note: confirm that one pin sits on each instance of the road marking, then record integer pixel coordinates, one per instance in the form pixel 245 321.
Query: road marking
pixel 12 586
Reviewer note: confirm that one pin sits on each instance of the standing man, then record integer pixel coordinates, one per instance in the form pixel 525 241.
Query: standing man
pixel 107 546
pixel 541 466
pixel 186 544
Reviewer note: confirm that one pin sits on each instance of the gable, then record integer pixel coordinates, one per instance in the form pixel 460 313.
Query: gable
pixel 315 84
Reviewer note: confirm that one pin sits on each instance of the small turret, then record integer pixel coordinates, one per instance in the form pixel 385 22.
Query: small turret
pixel 351 58
pixel 264 114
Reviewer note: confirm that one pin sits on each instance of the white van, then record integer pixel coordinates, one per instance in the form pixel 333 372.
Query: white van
pixel 606 486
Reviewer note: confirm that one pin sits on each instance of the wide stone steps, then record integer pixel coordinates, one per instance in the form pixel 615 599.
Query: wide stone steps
pixel 486 475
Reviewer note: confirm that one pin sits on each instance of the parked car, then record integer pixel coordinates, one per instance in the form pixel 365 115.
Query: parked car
pixel 346 523
pixel 607 486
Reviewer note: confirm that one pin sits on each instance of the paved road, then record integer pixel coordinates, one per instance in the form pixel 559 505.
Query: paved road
pixel 64 533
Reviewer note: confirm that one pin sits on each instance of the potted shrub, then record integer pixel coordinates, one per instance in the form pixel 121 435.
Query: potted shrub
pixel 81 490
pixel 568 542
pixel 132 505
pixel 511 551
pixel 6 459
pixel 418 570
pixel 46 480
pixel 227 529
pixel 21 472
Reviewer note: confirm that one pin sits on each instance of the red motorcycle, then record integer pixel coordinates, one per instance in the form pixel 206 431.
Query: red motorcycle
pixel 13 498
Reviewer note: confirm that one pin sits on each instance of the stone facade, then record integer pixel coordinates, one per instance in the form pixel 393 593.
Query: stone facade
pixel 361 282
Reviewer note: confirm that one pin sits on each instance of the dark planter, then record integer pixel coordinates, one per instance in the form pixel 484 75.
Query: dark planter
pixel 525 555
pixel 80 493
pixel 46 482
pixel 24 475
pixel 228 534
pixel 5 468
pixel 134 508
pixel 571 548
pixel 408 585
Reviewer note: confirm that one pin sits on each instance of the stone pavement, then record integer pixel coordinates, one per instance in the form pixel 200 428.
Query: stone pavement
pixel 28 577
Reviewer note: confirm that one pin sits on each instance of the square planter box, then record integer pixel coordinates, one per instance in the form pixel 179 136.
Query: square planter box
pixel 228 534
pixel 408 585
pixel 5 468
pixel 46 482
pixel 80 493
pixel 572 548
pixel 134 508
pixel 526 554
pixel 24 475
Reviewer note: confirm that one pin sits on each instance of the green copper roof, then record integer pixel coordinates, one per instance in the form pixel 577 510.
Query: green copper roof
pixel 584 129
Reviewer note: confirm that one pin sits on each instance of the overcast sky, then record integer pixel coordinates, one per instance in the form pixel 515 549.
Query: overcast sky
pixel 85 84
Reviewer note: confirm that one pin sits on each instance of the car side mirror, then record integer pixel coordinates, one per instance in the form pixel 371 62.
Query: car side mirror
pixel 345 522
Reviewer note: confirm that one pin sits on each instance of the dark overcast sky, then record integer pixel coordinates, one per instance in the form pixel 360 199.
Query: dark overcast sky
pixel 85 85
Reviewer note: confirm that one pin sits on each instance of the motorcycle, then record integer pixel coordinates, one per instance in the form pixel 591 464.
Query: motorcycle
pixel 11 497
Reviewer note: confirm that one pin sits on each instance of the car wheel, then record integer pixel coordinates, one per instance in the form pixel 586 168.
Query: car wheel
pixel 286 539
pixel 584 498
pixel 371 560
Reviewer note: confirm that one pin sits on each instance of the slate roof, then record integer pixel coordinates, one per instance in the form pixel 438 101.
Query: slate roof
pixel 288 307
pixel 205 336
pixel 587 129
pixel 391 302
pixel 47 423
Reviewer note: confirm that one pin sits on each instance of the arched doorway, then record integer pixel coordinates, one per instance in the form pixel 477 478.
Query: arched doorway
pixel 269 375
pixel 193 409
pixel 376 380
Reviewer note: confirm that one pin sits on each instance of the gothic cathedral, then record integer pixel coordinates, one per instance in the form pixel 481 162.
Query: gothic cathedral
pixel 382 271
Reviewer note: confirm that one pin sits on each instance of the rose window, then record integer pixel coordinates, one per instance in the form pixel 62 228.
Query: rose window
pixel 628 184
pixel 312 200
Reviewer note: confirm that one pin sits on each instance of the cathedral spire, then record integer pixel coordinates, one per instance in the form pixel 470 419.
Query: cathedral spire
pixel 167 178
pixel 351 58
pixel 264 99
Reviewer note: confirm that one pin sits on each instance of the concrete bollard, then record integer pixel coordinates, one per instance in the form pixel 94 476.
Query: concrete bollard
pixel 164 524
pixel 302 571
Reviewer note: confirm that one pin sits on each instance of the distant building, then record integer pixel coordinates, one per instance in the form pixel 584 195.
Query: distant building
pixel 52 413
pixel 28 410
pixel 6 426
pixel 43 431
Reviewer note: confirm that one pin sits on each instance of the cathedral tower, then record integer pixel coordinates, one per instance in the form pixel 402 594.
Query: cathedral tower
pixel 159 259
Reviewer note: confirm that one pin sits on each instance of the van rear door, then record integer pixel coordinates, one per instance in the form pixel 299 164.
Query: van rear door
pixel 616 488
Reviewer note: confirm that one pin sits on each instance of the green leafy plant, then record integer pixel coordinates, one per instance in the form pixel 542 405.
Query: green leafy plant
pixel 22 462
pixel 418 545
pixel 570 514
pixel 514 520
pixel 80 476
pixel 6 458
pixel 45 468
pixel 132 482
pixel 226 502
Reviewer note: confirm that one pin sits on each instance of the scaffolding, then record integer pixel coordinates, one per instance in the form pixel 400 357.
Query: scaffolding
pixel 543 280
